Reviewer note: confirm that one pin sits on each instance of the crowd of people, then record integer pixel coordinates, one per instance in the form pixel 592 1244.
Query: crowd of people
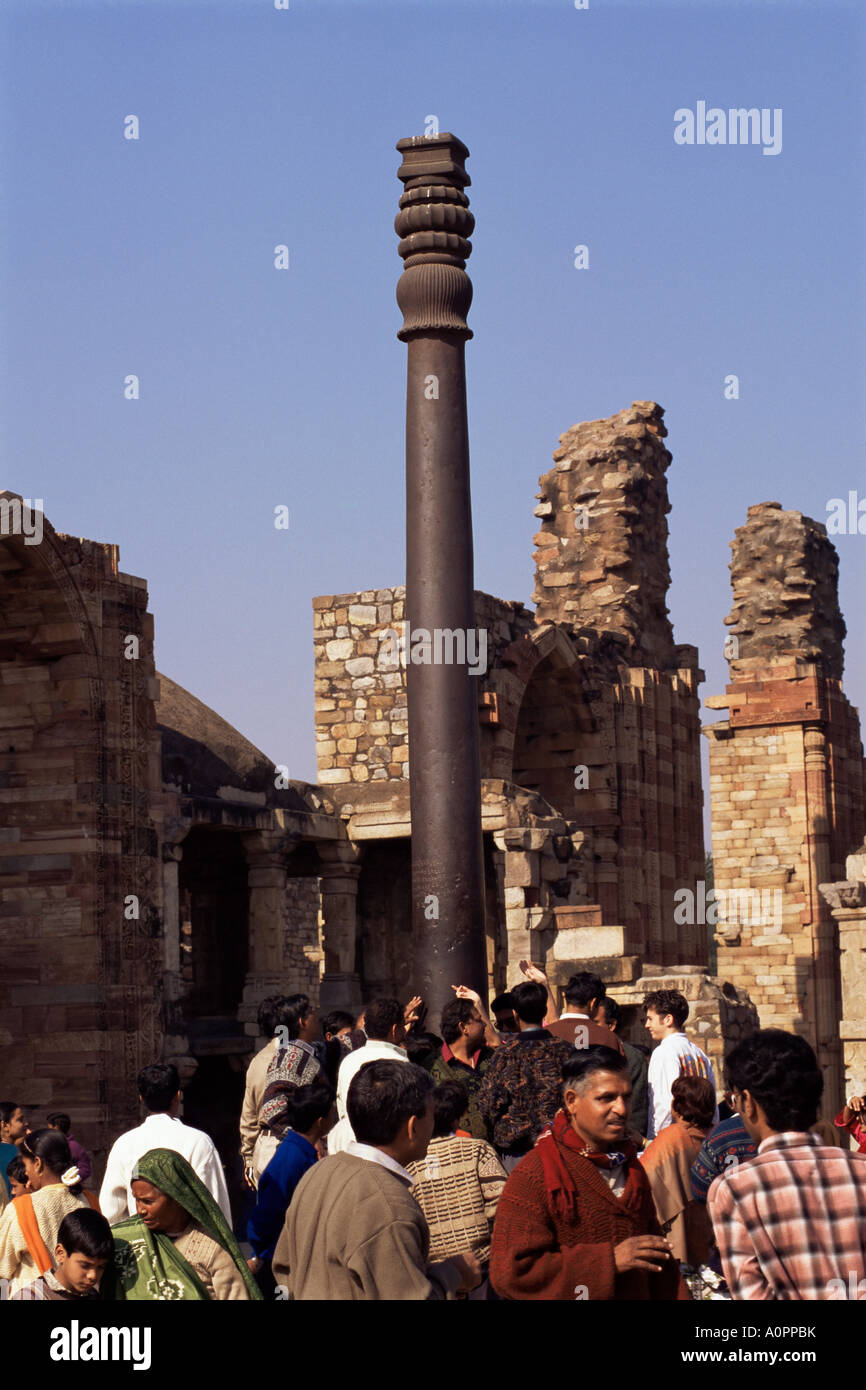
pixel 525 1154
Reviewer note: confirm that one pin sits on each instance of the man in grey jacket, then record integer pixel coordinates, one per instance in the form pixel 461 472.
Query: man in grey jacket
pixel 353 1231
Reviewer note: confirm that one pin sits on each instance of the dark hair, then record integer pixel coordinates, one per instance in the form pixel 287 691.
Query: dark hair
pixel 450 1099
pixel 583 987
pixel 612 1010
pixel 86 1232
pixel 694 1098
pixel 586 1061
pixel 266 1012
pixel 457 1011
pixel 420 1046
pixel 60 1120
pixel 383 1096
pixel 337 1019
pixel 304 1105
pixel 289 1012
pixel 52 1147
pixel 781 1073
pixel 668 1001
pixel 7 1110
pixel 158 1085
pixel 380 1017
pixel 530 1002
pixel 503 1003
pixel 15 1169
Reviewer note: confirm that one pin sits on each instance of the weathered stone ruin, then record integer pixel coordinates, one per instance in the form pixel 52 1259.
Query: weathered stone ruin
pixel 154 881
pixel 590 754
pixel 786 778
pixel 159 876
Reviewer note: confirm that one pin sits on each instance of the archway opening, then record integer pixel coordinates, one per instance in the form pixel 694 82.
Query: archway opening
pixel 555 737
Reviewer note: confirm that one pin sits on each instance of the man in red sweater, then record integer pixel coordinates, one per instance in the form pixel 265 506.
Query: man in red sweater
pixel 576 1219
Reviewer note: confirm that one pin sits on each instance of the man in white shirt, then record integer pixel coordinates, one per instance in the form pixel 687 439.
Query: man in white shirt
pixel 666 1014
pixel 159 1091
pixel 386 1031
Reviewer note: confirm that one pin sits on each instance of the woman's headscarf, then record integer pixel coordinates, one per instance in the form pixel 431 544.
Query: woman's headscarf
pixel 147 1265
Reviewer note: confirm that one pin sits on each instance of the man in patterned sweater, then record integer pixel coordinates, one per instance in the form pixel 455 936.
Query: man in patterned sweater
pixel 576 1220
pixel 458 1184
pixel 464 1058
pixel 520 1093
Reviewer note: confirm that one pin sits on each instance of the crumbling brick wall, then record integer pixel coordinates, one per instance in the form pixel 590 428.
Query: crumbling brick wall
pixel 786 777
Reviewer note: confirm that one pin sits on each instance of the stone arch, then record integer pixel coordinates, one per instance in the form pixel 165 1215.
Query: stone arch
pixel 508 682
pixel 555 730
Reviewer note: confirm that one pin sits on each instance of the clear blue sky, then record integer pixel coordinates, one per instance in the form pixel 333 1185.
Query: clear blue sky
pixel 261 387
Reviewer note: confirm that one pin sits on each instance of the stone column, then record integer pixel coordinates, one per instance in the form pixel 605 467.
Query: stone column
pixel 847 900
pixel 434 294
pixel 341 870
pixel 267 855
pixel 176 1046
pixel 824 960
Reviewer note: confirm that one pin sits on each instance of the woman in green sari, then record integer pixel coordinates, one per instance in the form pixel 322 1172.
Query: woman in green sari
pixel 179 1246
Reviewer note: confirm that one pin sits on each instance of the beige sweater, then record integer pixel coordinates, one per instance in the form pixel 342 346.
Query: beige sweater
pixel 457 1187
pixel 214 1266
pixel 50 1205
pixel 257 1080
pixel 354 1232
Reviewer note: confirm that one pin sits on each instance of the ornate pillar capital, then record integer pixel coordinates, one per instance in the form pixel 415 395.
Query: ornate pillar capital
pixel 434 225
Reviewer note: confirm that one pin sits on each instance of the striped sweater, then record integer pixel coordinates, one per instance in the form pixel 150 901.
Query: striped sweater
pixel 458 1186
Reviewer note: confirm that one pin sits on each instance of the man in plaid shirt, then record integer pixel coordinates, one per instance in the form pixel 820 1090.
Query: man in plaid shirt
pixel 791 1222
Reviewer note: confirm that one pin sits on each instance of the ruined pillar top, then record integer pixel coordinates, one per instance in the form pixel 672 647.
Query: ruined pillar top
pixel 602 549
pixel 434 225
pixel 785 580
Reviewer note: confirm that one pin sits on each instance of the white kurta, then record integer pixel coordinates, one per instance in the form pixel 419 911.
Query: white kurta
pixel 159 1132
pixel 342 1135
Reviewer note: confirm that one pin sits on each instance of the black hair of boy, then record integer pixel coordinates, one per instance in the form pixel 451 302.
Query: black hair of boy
pixel 449 1101
pixel 336 1021
pixel 15 1170
pixel 530 1002
pixel 383 1096
pixel 304 1105
pixel 86 1232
